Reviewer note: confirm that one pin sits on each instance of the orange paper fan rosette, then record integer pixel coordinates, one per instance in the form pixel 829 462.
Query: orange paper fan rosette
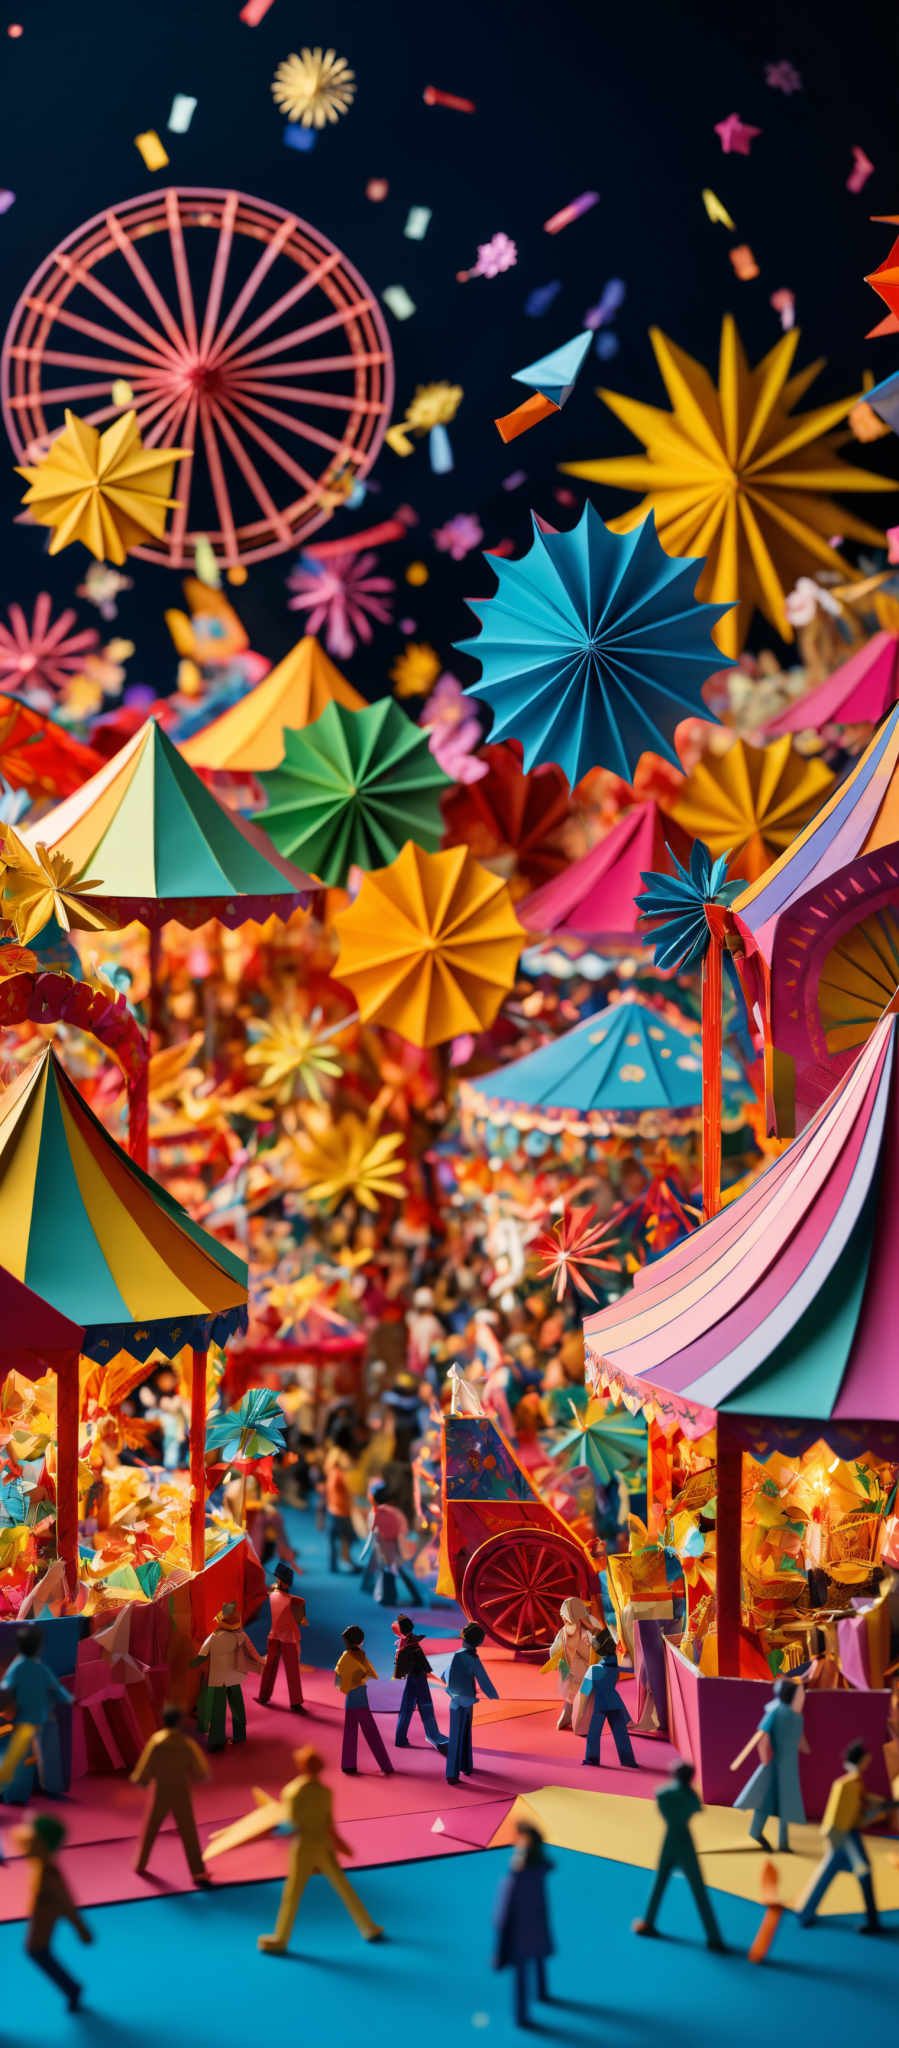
pixel 430 946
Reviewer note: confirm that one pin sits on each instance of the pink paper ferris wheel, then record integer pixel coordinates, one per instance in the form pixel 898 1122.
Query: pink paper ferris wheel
pixel 240 332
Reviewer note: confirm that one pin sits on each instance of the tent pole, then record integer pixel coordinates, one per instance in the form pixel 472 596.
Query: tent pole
pixel 729 1529
pixel 197 1460
pixel 68 1407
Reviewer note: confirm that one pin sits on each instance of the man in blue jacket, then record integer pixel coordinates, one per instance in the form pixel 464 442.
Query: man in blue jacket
pixel 412 1665
pixel 600 1686
pixel 36 1693
pixel 465 1674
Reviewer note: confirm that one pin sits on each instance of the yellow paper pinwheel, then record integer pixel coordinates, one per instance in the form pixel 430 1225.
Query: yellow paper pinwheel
pixel 106 490
pixel 430 946
pixel 35 888
pixel 732 474
pixel 750 802
pixel 346 1155
pixel 293 1055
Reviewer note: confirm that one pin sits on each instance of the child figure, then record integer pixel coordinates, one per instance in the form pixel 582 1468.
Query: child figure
pixel 522 1921
pixel 288 1612
pixel 570 1653
pixel 351 1674
pixel 600 1686
pixel 774 1791
pixel 231 1654
pixel 36 1692
pixel 412 1665
pixel 465 1674
pixel 51 1900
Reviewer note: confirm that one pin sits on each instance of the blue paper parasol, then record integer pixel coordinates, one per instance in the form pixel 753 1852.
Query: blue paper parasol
pixel 594 648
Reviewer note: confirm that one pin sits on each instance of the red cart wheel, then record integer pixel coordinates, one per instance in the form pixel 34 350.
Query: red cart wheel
pixel 515 1583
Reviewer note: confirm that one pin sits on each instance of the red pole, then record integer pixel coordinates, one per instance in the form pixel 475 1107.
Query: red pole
pixel 198 1461
pixel 68 1414
pixel 139 1114
pixel 728 1565
pixel 712 986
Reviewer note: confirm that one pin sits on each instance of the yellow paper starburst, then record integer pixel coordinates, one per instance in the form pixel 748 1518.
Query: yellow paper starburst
pixel 346 1155
pixel 732 474
pixel 293 1055
pixel 35 888
pixel 433 405
pixel 415 669
pixel 106 490
pixel 750 802
pixel 313 88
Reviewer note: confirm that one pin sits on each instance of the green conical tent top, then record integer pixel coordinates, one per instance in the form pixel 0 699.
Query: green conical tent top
pixel 147 828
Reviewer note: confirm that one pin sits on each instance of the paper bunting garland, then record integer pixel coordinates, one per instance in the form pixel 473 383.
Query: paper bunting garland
pixel 430 946
pixel 731 472
pixel 351 788
pixel 106 490
pixel 592 650
pixel 750 802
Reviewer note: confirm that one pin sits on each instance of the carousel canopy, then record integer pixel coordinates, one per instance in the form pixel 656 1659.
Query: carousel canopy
pixel 860 818
pixel 630 1057
pixel 99 1241
pixel 785 1304
pixel 250 735
pixel 149 830
pixel 593 898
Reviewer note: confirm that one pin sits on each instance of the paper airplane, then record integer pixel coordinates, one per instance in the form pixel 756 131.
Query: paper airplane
pixel 551 379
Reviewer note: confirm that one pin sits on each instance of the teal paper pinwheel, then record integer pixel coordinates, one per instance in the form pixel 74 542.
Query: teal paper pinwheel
pixel 602 1440
pixel 251 1430
pixel 352 788
pixel 593 648
pixel 676 906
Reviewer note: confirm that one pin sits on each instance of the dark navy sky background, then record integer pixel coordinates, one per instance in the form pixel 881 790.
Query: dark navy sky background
pixel 620 98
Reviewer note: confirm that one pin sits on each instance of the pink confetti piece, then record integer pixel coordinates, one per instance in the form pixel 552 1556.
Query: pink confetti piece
pixel 255 11
pixel 784 303
pixel 862 168
pixel 566 214
pixel 893 543
pixel 735 136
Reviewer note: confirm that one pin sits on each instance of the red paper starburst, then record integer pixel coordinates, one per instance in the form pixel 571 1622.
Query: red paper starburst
pixel 571 1245
pixel 42 655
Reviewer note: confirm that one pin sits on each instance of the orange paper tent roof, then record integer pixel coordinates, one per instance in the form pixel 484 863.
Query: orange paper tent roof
pixel 594 897
pixel 250 735
pixel 147 828
pixel 97 1239
pixel 430 946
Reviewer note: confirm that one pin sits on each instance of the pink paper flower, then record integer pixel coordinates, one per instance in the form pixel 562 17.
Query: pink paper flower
pixel 453 731
pixel 783 77
pixel 500 253
pixel 341 595
pixel 460 534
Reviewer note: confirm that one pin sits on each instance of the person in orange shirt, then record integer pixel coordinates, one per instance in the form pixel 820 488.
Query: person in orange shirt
pixel 171 1763
pixel 288 1611
pixel 338 1503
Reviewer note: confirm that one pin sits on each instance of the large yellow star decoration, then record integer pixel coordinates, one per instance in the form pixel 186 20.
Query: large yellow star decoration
pixel 346 1155
pixel 733 474
pixel 35 886
pixel 106 490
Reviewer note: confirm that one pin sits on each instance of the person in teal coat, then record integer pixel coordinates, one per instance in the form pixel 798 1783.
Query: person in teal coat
pixel 678 1804
pixel 600 1688
pixel 35 1692
pixel 774 1791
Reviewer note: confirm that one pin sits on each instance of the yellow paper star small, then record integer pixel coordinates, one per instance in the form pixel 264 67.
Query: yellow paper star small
pixel 35 888
pixel 415 669
pixel 341 1156
pixel 433 405
pixel 292 1055
pixel 313 88
pixel 106 490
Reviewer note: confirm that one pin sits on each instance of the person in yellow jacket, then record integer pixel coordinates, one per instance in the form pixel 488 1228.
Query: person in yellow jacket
pixel 848 1807
pixel 316 1847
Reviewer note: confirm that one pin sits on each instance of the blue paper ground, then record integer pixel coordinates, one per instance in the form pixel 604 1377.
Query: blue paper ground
pixel 186 1970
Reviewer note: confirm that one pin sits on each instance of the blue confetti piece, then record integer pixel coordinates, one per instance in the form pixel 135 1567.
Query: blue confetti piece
pixel 611 297
pixel 298 137
pixel 539 301
pixel 606 344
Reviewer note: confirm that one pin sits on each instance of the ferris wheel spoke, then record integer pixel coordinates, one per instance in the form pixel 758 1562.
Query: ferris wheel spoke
pixel 219 486
pixel 332 401
pixel 326 325
pixel 219 271
pixel 302 428
pixel 187 421
pixel 61 359
pixel 147 284
pixel 182 273
pixel 64 317
pixel 270 448
pixel 312 366
pixel 163 418
pixel 283 305
pixel 114 304
pixel 247 291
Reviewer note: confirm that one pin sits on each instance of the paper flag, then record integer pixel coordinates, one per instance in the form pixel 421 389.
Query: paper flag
pixel 552 378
